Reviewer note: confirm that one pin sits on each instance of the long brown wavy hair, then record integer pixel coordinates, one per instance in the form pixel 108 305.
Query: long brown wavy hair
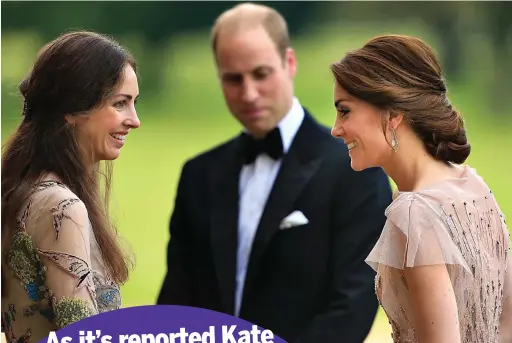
pixel 72 75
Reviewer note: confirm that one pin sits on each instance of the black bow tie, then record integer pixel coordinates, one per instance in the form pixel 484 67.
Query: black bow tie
pixel 272 145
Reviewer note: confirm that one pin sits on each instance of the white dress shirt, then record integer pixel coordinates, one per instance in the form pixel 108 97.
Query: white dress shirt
pixel 256 181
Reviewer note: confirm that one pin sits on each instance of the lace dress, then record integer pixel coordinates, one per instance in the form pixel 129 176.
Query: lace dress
pixel 457 222
pixel 52 273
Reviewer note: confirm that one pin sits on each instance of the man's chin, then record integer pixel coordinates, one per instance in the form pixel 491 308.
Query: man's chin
pixel 260 130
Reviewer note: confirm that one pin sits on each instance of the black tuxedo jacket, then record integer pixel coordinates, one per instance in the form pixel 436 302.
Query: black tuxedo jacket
pixel 308 283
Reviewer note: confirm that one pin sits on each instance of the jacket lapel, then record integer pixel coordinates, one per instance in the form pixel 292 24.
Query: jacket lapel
pixel 223 194
pixel 298 166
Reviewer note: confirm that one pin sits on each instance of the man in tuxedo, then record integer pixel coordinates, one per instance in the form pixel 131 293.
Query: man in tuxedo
pixel 273 225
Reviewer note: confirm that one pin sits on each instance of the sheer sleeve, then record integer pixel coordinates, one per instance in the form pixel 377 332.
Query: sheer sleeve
pixel 418 233
pixel 62 234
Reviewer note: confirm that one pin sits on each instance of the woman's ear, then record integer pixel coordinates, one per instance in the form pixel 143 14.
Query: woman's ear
pixel 75 119
pixel 395 120
pixel 71 119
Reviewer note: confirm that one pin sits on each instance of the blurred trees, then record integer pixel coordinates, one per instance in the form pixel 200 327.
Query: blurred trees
pixel 455 25
pixel 157 20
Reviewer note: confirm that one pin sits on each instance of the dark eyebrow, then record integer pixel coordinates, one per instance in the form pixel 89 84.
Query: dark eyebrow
pixel 262 67
pixel 125 95
pixel 128 96
pixel 231 74
pixel 258 68
pixel 337 102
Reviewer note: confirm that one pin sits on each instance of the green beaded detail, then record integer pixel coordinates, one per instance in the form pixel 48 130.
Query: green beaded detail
pixel 70 310
pixel 24 261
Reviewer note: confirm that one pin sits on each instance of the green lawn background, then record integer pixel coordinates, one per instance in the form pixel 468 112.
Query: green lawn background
pixel 187 115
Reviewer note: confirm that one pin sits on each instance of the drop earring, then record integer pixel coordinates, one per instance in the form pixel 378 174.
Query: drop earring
pixel 394 140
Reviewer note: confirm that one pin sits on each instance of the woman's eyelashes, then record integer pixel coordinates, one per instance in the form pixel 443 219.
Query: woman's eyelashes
pixel 120 104
pixel 343 111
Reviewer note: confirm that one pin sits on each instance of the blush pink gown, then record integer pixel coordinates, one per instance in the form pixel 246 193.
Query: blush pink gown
pixel 456 222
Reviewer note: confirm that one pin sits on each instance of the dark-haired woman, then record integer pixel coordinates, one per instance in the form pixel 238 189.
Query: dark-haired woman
pixel 442 262
pixel 61 257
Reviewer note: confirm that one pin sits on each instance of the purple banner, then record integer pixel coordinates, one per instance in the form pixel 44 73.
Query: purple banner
pixel 162 324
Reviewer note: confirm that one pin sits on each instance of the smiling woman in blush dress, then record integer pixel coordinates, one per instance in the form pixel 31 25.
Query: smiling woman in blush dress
pixel 443 263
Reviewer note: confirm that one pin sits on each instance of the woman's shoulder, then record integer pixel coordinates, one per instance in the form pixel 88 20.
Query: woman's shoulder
pixel 468 187
pixel 52 199
pixel 51 192
pixel 457 205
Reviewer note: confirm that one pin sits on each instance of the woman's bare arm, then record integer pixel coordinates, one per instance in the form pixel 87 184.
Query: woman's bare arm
pixel 434 307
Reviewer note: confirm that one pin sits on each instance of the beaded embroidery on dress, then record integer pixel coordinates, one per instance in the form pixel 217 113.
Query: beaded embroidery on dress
pixel 457 222
pixel 52 271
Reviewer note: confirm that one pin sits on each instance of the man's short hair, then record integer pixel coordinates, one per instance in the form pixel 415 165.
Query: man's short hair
pixel 248 16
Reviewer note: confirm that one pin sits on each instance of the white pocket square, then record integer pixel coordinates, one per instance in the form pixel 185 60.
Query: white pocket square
pixel 295 218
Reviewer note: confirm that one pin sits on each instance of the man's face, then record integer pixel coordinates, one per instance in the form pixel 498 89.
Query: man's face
pixel 256 82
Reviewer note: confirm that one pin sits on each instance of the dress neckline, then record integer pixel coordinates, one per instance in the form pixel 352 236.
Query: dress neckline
pixel 465 172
